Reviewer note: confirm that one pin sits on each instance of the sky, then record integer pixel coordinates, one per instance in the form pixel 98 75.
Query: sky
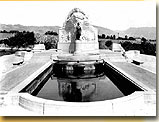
pixel 114 15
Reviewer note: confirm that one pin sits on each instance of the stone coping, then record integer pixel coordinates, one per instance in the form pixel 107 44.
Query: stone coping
pixel 135 104
pixel 132 79
pixel 15 76
pixel 30 78
pixel 138 74
pixel 30 97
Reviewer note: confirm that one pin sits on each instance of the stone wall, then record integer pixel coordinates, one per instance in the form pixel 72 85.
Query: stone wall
pixel 137 104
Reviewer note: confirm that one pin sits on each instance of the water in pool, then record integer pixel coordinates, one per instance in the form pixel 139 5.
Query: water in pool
pixel 85 88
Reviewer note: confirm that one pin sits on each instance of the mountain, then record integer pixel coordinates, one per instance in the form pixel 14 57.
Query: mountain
pixel 106 31
pixel 147 32
pixel 43 29
pixel 36 29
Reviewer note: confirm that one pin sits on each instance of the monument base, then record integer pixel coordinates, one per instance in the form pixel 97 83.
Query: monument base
pixel 78 57
pixel 77 65
pixel 79 47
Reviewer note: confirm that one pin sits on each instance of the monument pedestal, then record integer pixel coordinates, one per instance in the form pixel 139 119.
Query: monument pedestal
pixel 82 47
pixel 79 47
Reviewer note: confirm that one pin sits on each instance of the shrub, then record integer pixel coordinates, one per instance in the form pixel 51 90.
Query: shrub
pixel 108 43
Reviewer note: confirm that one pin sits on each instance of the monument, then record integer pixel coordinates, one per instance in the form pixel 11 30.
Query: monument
pixel 78 44
pixel 77 34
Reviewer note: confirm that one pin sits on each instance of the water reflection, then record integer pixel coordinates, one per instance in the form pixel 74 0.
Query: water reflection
pixel 77 90
pixel 77 85
pixel 85 86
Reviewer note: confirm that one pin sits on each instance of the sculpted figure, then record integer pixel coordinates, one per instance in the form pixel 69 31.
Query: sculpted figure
pixel 78 31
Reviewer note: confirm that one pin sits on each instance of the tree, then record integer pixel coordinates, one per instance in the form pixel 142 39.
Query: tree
pixel 126 37
pixel 39 38
pixel 51 33
pixel 114 37
pixel 50 42
pixel 99 36
pixel 21 39
pixel 111 37
pixel 3 31
pixel 108 43
pixel 3 41
pixel 143 40
pixel 108 37
pixel 126 45
pixel 13 31
pixel 103 36
pixel 131 38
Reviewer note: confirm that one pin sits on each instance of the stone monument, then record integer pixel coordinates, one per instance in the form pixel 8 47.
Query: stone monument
pixel 78 42
pixel 78 36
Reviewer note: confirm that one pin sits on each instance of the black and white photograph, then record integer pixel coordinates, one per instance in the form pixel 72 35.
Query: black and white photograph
pixel 78 58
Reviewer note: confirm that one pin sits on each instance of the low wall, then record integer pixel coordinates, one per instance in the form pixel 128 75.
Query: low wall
pixel 35 85
pixel 33 80
pixel 137 104
pixel 124 77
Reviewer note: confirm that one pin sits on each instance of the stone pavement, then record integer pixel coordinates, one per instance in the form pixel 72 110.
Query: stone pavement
pixel 146 77
pixel 15 77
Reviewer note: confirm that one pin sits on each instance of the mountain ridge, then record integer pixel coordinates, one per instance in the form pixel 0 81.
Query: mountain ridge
pixel 147 32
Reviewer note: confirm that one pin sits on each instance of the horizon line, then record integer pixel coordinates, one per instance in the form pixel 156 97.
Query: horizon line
pixel 92 25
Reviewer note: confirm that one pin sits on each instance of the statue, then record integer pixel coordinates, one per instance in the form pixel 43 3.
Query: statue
pixel 78 31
